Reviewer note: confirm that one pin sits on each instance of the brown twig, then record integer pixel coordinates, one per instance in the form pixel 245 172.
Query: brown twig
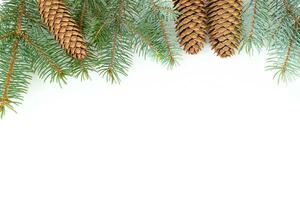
pixel 42 53
pixel 4 99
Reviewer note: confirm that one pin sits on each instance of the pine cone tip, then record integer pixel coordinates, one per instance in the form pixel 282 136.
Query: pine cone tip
pixel 191 25
pixel 224 25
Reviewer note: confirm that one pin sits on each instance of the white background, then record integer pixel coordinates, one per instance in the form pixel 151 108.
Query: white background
pixel 211 129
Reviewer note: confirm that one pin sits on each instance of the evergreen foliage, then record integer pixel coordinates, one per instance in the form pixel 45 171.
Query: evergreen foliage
pixel 114 31
pixel 274 24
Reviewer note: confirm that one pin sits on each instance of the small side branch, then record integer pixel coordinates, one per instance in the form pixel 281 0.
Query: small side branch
pixel 21 14
pixel 158 8
pixel 7 35
pixel 285 64
pixel 166 38
pixel 98 32
pixel 43 54
pixel 82 13
pixel 113 56
pixel 284 67
pixel 275 33
pixel 290 10
pixel 9 73
pixel 253 20
pixel 119 22
pixel 168 43
pixel 141 36
pixel 4 100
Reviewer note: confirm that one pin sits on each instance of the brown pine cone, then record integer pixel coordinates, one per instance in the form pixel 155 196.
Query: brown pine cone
pixel 191 24
pixel 224 26
pixel 65 30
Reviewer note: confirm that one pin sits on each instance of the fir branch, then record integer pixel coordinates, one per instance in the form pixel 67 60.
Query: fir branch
pixel 144 39
pixel 163 9
pixel 115 30
pixel 97 34
pixel 113 58
pixel 284 60
pixel 121 11
pixel 255 25
pixel 7 35
pixel 82 72
pixel 82 13
pixel 253 21
pixel 21 13
pixel 277 29
pixel 289 9
pixel 167 40
pixel 116 54
pixel 134 26
pixel 118 21
pixel 281 73
pixel 45 56
pixel 284 52
pixel 4 98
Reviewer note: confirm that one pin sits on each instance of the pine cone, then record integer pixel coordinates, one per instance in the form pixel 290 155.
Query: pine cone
pixel 191 24
pixel 224 25
pixel 65 30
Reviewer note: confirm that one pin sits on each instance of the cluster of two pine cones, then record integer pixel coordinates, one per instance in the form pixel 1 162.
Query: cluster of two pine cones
pixel 220 19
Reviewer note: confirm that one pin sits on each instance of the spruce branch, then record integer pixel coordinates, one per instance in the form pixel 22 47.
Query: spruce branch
pixel 253 20
pixel 6 35
pixel 59 74
pixel 162 8
pixel 143 44
pixel 284 67
pixel 110 68
pixel 116 54
pixel 164 22
pixel 4 98
pixel 26 47
pixel 289 9
pixel 285 49
pixel 277 28
pixel 248 39
pixel 256 22
pixel 82 13
pixel 274 24
pixel 114 30
pixel 171 56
